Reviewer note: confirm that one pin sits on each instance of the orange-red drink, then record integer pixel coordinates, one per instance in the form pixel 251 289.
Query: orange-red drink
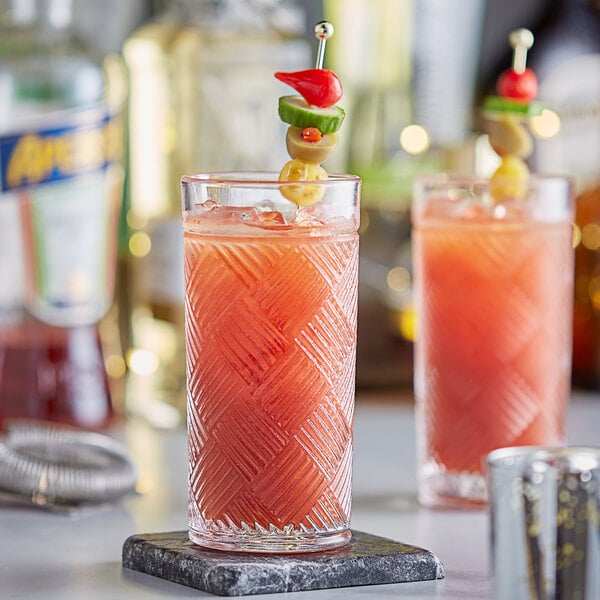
pixel 493 286
pixel 271 304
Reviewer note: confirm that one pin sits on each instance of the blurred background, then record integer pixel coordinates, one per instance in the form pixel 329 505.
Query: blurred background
pixel 180 86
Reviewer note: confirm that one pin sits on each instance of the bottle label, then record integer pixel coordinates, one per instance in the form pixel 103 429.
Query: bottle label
pixel 65 180
pixel 86 141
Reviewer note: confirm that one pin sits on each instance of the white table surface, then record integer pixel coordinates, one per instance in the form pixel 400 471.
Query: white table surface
pixel 54 556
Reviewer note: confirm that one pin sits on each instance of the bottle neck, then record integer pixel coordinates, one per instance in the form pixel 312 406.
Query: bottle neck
pixel 254 16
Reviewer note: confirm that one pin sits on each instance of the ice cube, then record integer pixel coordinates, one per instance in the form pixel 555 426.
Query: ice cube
pixel 264 206
pixel 311 216
pixel 231 214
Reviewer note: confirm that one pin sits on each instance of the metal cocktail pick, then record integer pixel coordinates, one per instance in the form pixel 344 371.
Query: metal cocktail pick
pixel 323 31
pixel 521 40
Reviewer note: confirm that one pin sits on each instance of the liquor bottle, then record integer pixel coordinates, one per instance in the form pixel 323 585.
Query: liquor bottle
pixel 202 97
pixel 566 58
pixel 409 72
pixel 60 189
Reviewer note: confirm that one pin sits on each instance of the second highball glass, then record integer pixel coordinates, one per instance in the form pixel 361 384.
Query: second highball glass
pixel 493 301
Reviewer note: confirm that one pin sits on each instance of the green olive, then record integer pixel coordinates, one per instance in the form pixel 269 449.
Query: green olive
pixel 508 136
pixel 312 152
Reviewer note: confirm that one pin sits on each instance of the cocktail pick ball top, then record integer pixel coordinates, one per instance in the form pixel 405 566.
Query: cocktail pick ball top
pixel 323 31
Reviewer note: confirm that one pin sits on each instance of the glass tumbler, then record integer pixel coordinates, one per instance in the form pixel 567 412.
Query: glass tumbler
pixel 270 318
pixel 493 301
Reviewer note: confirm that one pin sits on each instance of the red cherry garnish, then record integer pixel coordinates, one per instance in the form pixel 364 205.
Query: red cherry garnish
pixel 519 83
pixel 518 86
pixel 319 87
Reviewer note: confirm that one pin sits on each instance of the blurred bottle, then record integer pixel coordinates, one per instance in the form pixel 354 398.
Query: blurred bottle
pixel 566 58
pixel 60 189
pixel 202 97
pixel 408 69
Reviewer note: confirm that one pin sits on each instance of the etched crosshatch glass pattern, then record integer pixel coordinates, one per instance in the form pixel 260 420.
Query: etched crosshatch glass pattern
pixel 493 356
pixel 516 303
pixel 271 329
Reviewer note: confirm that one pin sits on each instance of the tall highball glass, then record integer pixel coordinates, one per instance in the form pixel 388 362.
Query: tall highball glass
pixel 270 313
pixel 494 293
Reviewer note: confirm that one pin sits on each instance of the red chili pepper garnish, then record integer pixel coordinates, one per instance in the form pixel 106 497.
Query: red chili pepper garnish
pixel 319 87
pixel 311 134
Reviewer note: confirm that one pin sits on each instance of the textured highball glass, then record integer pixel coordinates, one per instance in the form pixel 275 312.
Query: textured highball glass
pixel 270 313
pixel 493 306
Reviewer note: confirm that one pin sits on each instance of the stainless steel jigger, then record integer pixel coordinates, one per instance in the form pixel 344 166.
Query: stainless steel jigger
pixel 60 468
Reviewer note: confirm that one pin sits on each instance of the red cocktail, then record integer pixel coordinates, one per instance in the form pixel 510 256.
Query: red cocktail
pixel 271 304
pixel 494 286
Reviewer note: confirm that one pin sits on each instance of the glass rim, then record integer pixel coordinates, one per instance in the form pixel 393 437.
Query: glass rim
pixel 497 458
pixel 463 179
pixel 262 179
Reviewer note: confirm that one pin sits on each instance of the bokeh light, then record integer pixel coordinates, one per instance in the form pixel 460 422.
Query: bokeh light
pixel 546 124
pixel 414 139
pixel 140 244
pixel 143 362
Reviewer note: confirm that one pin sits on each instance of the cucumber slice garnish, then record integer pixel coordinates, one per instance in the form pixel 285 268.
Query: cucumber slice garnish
pixel 297 112
pixel 506 105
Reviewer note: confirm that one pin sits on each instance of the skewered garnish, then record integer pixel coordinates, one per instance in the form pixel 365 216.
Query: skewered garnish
pixel 510 178
pixel 519 82
pixel 319 87
pixel 507 136
pixel 296 111
pixel 517 88
pixel 316 151
pixel 314 119
pixel 301 170
pixel 499 104
pixel 311 134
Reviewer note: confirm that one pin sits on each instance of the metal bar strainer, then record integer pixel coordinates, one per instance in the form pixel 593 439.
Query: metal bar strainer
pixel 56 467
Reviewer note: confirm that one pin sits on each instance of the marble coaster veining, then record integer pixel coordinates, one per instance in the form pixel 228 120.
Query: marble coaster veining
pixel 366 560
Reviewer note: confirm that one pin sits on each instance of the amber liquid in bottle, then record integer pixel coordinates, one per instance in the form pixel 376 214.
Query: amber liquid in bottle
pixel 586 308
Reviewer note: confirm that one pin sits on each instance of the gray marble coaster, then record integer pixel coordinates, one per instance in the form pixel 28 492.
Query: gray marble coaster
pixel 366 560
